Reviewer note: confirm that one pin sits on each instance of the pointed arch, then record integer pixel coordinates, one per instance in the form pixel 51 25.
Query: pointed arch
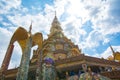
pixel 19 34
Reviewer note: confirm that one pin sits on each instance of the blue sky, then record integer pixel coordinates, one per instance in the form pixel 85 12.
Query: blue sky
pixel 91 24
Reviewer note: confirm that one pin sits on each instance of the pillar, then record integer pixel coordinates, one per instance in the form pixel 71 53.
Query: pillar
pixel 39 65
pixel 24 65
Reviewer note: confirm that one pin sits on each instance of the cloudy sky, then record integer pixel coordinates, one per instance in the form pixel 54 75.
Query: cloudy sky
pixel 91 24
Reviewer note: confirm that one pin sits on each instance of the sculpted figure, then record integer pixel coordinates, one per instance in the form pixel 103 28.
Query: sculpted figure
pixel 48 69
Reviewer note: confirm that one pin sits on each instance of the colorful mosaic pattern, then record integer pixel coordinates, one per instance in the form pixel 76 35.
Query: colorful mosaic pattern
pixel 93 76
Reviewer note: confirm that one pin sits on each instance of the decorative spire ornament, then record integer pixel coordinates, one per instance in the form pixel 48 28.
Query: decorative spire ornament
pixel 112 51
pixel 30 28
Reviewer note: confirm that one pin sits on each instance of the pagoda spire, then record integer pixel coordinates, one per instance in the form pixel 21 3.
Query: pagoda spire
pixel 56 27
pixel 55 13
pixel 55 20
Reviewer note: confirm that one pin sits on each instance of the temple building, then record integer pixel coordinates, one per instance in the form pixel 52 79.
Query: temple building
pixel 58 58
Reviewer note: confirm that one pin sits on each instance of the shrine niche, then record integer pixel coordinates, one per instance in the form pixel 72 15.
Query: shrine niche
pixel 50 47
pixel 45 51
pixel 60 56
pixel 75 52
pixel 49 55
pixel 59 46
pixel 66 47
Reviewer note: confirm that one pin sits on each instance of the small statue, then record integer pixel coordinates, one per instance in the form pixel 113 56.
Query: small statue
pixel 72 76
pixel 48 69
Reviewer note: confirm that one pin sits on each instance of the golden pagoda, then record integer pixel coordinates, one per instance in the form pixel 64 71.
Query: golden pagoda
pixel 68 59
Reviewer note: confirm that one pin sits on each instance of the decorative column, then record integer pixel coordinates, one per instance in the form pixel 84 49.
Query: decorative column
pixel 24 65
pixel 39 65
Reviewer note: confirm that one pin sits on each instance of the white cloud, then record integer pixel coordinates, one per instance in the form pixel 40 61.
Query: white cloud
pixel 9 4
pixel 16 56
pixel 104 22
pixel 4 41
pixel 40 23
pixel 108 51
pixel 59 6
pixel 76 12
pixel 4 37
pixel 13 64
pixel 1 19
pixel 2 56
